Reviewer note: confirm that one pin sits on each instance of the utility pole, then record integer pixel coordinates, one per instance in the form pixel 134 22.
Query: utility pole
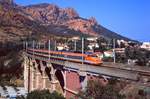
pixel 82 50
pixel 44 45
pixel 39 45
pixel 33 47
pixel 55 45
pixel 83 69
pixel 114 54
pixel 26 46
pixel 49 49
pixel 75 45
pixel 28 78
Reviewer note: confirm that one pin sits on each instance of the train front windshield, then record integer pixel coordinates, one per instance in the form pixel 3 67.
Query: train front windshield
pixel 93 55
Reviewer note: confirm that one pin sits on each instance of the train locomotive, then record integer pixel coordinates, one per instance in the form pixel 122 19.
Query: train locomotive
pixel 69 56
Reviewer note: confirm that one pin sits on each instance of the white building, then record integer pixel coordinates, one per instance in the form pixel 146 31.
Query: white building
pixel 92 38
pixel 146 45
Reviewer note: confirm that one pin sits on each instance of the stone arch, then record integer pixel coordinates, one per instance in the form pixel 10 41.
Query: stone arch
pixel 44 63
pixel 37 65
pixel 61 78
pixel 34 63
pixel 47 71
pixel 27 59
pixel 39 68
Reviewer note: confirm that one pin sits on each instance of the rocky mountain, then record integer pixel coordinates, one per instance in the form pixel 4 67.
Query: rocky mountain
pixel 17 25
pixel 34 21
pixel 52 14
pixel 14 24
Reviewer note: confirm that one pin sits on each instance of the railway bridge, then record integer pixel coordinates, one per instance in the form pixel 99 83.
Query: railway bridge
pixel 42 71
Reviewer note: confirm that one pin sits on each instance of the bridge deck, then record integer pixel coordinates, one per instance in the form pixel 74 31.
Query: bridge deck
pixel 102 70
pixel 141 69
pixel 108 69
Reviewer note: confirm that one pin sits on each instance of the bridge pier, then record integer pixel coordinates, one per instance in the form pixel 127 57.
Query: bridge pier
pixel 83 81
pixel 83 78
pixel 26 69
pixel 37 76
pixel 32 77
pixel 37 80
pixel 44 76
pixel 53 81
pixel 31 73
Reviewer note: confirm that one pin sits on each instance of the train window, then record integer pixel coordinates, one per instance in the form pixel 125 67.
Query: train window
pixel 93 55
pixel 74 57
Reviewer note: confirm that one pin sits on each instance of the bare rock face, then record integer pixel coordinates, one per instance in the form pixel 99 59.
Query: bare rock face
pixel 84 26
pixel 52 14
pixel 44 14
pixel 49 14
pixel 15 25
pixel 71 13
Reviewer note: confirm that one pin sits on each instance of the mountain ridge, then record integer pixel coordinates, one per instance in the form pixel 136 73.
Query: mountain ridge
pixel 20 22
pixel 16 25
pixel 70 18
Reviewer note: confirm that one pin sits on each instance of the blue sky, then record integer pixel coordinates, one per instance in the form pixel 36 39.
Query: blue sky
pixel 130 18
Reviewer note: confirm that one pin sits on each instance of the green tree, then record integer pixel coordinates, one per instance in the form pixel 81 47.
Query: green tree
pixel 142 55
pixel 96 90
pixel 44 94
pixel 20 97
pixel 102 44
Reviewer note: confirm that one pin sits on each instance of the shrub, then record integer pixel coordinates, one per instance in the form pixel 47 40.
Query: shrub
pixel 44 94
pixel 96 90
pixel 20 97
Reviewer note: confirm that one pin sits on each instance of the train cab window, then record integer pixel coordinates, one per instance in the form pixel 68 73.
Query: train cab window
pixel 93 55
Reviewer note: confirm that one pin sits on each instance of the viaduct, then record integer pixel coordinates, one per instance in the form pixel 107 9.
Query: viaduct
pixel 42 71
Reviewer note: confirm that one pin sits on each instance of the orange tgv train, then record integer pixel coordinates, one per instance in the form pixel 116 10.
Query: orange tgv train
pixel 69 56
